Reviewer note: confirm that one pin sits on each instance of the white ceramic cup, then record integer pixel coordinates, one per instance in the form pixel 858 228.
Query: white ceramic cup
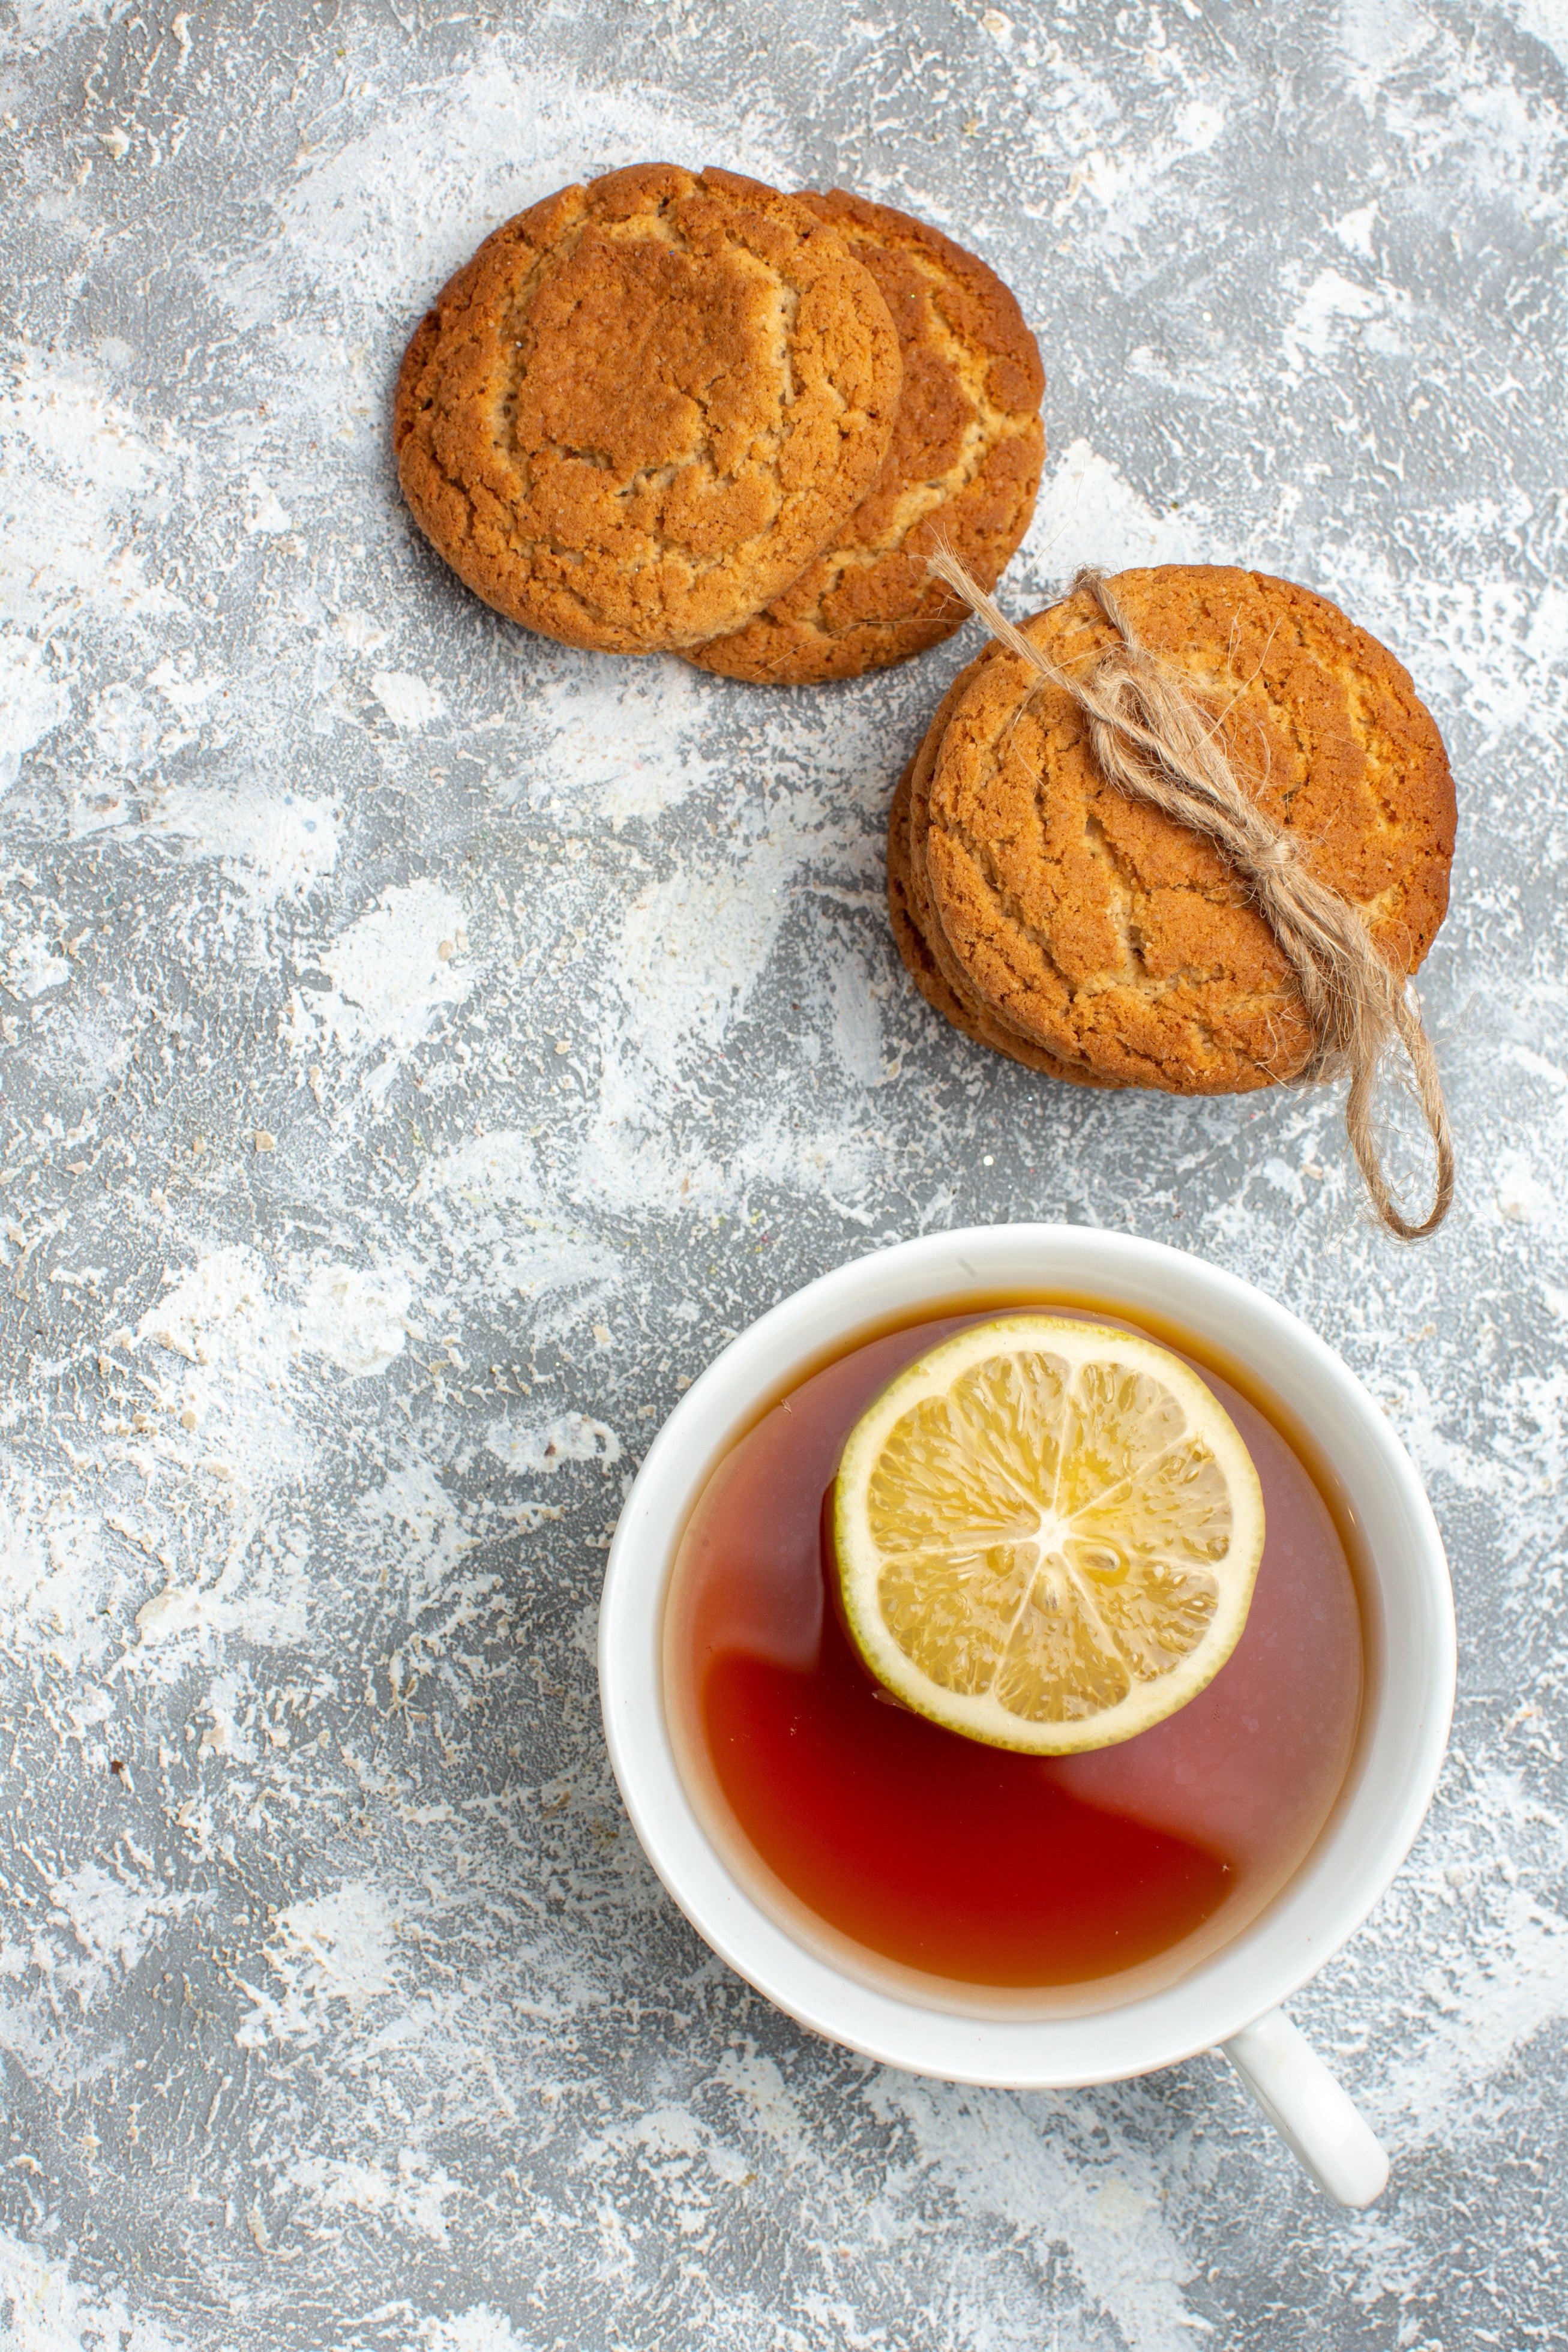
pixel 1229 1999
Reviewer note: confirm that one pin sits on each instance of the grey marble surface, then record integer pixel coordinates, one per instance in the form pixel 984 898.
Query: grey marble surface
pixel 425 1045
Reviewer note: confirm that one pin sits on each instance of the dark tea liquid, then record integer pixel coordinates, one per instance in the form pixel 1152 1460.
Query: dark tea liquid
pixel 934 1863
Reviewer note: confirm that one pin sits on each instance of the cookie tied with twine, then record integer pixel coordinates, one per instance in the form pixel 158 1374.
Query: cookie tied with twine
pixel 1190 828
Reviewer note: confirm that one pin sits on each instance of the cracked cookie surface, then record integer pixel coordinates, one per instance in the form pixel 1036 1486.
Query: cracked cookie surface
pixel 644 404
pixel 1111 937
pixel 963 468
pixel 930 962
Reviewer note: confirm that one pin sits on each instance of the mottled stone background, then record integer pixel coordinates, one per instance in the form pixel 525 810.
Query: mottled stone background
pixel 423 1046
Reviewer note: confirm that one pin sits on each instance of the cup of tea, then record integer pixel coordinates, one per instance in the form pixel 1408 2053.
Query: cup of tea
pixel 982 1915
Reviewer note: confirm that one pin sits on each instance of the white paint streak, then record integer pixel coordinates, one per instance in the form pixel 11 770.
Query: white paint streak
pixel 48 2309
pixel 32 702
pixel 544 1446
pixel 1088 513
pixel 1020 2161
pixel 408 702
pixel 393 970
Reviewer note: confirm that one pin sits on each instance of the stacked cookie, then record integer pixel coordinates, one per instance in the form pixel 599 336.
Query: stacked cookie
pixel 1089 935
pixel 677 412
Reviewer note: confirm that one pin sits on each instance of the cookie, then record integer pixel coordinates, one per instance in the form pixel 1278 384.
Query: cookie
pixel 641 408
pixel 931 963
pixel 968 1013
pixel 1117 938
pixel 963 469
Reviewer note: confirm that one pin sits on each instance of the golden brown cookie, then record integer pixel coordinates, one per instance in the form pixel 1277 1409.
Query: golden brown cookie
pixel 963 469
pixel 644 404
pixel 1111 936
pixel 937 972
pixel 968 1012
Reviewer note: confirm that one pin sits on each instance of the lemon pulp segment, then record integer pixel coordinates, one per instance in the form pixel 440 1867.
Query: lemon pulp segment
pixel 1047 1533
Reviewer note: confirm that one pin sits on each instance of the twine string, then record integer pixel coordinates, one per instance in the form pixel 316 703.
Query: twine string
pixel 1152 742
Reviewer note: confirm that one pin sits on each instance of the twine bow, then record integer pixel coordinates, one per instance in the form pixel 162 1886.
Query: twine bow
pixel 1152 742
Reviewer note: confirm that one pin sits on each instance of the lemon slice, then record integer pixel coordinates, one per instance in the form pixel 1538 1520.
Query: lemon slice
pixel 1047 1533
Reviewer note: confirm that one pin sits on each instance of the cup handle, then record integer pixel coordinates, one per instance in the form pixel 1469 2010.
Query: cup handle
pixel 1313 2113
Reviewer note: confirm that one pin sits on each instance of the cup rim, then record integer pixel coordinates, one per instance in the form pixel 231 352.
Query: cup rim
pixel 1356 1857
